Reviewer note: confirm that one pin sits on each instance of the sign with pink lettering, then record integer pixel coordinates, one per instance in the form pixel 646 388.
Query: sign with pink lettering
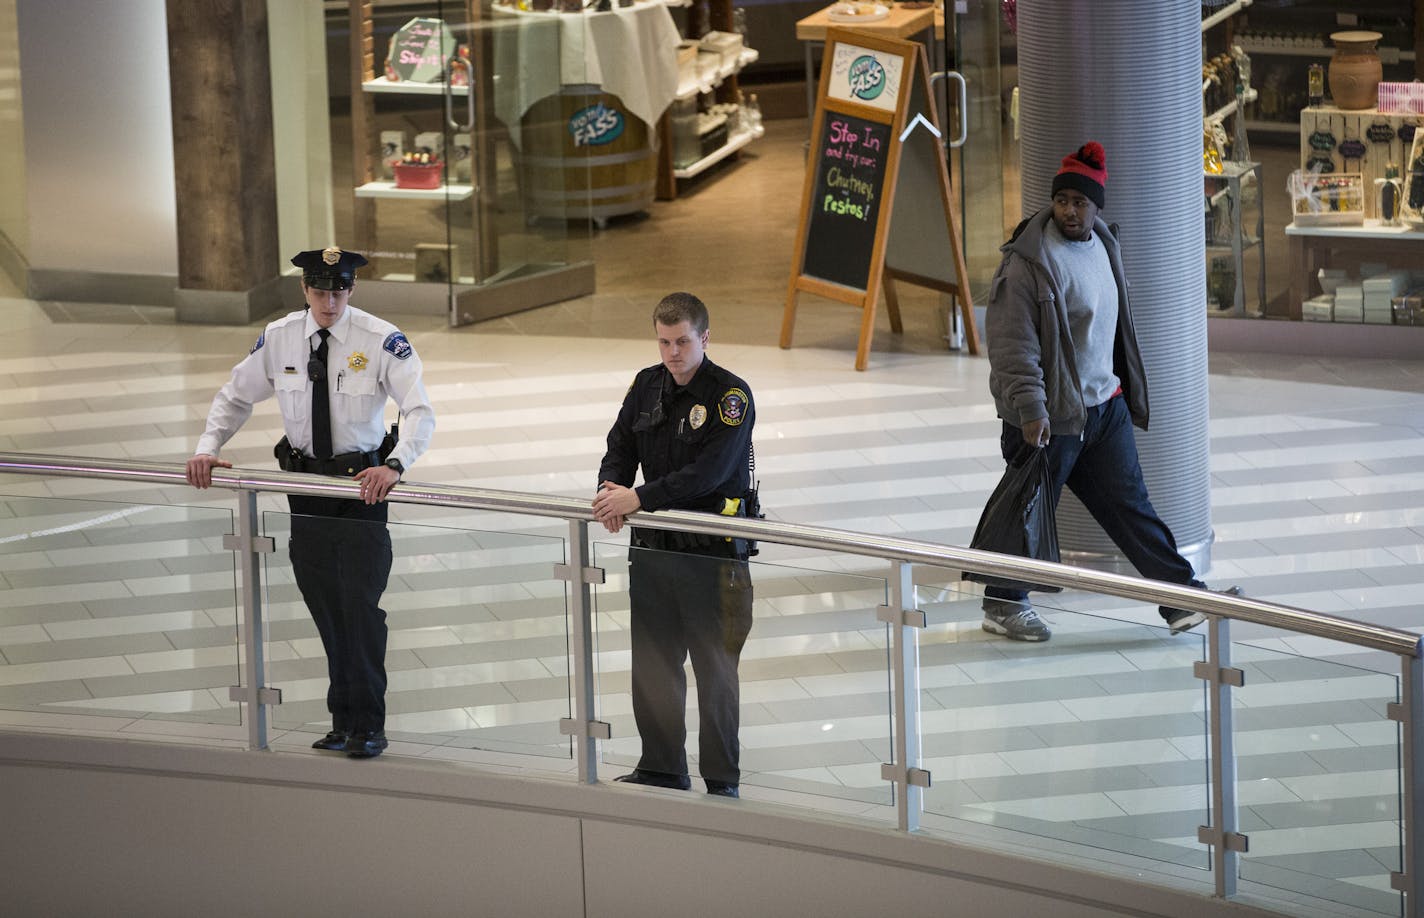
pixel 419 51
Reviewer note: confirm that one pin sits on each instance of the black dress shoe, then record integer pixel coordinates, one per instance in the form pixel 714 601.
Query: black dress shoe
pixel 335 741
pixel 366 744
pixel 656 779
pixel 722 789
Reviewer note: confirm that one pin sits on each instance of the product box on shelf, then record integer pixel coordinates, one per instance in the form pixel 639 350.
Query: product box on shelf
pixel 726 44
pixel 1409 308
pixel 392 149
pixel 1327 199
pixel 713 140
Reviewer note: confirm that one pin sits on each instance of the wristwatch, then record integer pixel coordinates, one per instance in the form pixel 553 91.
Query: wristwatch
pixel 396 464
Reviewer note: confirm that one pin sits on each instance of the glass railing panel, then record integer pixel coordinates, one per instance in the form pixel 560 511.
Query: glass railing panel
pixel 815 714
pixel 122 612
pixel 1092 738
pixel 477 647
pixel 1318 762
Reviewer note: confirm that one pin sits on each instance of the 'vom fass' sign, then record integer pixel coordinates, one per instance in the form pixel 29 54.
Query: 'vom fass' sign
pixel 866 77
pixel 596 125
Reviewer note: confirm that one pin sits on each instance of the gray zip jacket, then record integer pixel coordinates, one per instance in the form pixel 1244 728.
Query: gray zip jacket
pixel 1033 370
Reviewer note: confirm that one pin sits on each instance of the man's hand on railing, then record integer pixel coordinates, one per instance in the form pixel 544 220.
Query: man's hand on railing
pixel 613 503
pixel 377 482
pixel 200 469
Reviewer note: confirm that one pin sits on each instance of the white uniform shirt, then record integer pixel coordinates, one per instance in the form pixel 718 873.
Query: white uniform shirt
pixel 368 360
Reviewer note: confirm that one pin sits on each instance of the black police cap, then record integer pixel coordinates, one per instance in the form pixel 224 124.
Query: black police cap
pixel 330 268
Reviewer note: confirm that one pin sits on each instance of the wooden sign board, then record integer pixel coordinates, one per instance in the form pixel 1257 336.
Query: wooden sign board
pixel 874 156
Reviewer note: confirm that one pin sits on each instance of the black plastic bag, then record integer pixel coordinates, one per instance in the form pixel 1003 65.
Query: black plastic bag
pixel 1018 519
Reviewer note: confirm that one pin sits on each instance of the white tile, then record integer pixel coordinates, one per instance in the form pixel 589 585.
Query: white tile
pixel 1067 808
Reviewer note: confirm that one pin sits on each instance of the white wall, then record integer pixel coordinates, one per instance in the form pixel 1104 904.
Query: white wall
pixel 98 141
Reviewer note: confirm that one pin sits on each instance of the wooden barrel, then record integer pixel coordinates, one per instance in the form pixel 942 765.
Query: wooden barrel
pixel 584 155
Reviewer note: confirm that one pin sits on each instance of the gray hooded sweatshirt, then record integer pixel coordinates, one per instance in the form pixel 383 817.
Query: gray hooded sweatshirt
pixel 1033 372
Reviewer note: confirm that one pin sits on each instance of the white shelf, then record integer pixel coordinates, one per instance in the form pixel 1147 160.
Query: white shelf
pixel 410 88
pixel 733 144
pixel 1274 127
pixel 388 189
pixel 1229 108
pixel 1388 55
pixel 691 88
pixel 1224 14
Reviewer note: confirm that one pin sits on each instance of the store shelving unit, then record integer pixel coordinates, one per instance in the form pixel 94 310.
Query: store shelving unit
pixel 722 82
pixel 1232 177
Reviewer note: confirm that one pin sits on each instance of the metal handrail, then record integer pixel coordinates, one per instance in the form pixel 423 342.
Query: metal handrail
pixel 1275 615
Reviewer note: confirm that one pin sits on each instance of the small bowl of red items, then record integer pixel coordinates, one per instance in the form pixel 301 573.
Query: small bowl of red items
pixel 418 170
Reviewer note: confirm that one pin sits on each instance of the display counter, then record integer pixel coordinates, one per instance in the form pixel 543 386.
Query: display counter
pixel 583 129
pixel 1316 247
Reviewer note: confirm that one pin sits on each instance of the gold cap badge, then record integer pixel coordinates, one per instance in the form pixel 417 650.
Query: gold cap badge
pixel 331 254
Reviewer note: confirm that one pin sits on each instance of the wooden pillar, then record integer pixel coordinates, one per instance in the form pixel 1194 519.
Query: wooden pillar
pixel 224 166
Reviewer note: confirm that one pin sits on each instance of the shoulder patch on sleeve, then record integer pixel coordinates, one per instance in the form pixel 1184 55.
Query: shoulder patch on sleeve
pixel 258 346
pixel 732 408
pixel 398 346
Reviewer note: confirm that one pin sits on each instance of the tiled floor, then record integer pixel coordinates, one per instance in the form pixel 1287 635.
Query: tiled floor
pixel 117 604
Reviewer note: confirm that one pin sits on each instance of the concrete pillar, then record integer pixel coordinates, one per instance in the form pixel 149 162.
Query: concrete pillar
pixel 1126 74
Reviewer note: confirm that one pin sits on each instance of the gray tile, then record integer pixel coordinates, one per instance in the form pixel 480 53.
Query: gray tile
pixel 41 614
pixel 1121 729
pixel 492 651
pixel 1324 471
pixel 1324 864
pixel 1358 759
pixel 977 742
pixel 1340 811
pixel 86 648
pixel 1084 781
pixel 961 697
pixel 86 573
pixel 819 755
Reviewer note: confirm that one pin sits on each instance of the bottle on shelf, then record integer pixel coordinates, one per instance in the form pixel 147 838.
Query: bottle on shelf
pixel 751 118
pixel 1389 195
pixel 1316 85
pixel 1240 148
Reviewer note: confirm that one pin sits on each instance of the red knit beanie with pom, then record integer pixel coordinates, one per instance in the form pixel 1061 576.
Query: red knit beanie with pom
pixel 1085 170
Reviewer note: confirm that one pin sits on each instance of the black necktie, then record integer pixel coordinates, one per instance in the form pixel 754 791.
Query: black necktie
pixel 321 400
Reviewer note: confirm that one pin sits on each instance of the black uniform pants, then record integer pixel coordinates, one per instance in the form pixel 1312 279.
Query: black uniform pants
pixel 341 558
pixel 697 606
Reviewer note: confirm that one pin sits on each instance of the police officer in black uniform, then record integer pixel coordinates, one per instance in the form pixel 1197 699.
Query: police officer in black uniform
pixel 332 367
pixel 688 423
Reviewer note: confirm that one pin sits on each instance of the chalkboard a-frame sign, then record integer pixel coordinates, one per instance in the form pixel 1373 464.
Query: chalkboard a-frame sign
pixel 866 168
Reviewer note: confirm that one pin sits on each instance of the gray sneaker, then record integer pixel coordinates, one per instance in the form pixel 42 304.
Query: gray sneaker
pixel 1015 621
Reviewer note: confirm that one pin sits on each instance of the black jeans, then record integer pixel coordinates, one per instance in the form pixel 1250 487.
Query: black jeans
pixel 1102 469
pixel 698 606
pixel 341 558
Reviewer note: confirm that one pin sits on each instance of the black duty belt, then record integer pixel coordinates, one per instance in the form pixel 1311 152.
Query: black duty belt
pixel 345 465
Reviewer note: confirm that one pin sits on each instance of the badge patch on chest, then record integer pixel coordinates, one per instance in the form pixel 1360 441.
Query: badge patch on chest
pixel 697 416
pixel 732 409
pixel 357 361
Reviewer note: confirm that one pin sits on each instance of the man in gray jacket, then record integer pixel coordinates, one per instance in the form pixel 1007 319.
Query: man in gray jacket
pixel 1066 376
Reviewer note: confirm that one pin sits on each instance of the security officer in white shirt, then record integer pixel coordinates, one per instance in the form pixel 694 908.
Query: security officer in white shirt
pixel 332 367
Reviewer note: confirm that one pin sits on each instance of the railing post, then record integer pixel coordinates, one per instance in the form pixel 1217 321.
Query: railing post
pixel 1224 832
pixel 905 623
pixel 582 726
pixel 250 547
pixel 1411 693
